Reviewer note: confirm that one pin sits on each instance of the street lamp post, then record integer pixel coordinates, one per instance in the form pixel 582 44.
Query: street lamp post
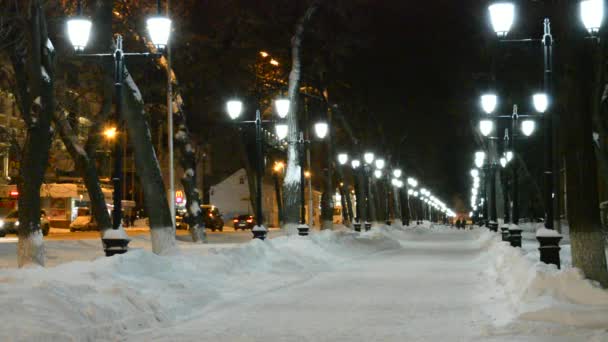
pixel 79 28
pixel 234 109
pixel 347 209
pixel 502 16
pixel 359 194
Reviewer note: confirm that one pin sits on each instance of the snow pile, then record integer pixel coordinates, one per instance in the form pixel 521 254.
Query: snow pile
pixel 540 292
pixel 110 298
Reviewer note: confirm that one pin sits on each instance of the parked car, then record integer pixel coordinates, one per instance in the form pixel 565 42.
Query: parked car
pixel 84 221
pixel 180 221
pixel 10 223
pixel 212 217
pixel 243 222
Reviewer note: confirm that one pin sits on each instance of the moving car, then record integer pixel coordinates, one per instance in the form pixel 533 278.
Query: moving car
pixel 243 222
pixel 84 221
pixel 10 223
pixel 212 217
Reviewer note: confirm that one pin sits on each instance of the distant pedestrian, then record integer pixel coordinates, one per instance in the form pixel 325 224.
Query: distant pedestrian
pixel 458 224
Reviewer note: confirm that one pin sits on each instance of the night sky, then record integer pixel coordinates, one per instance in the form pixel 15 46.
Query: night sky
pixel 423 70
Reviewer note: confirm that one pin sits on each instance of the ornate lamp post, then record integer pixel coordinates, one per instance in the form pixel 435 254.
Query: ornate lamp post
pixel 79 29
pixel 234 109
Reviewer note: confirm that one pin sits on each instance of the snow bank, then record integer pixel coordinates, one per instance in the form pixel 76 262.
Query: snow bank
pixel 540 292
pixel 109 298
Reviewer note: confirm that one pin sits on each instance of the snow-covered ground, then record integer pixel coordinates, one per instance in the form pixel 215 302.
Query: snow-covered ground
pixel 390 284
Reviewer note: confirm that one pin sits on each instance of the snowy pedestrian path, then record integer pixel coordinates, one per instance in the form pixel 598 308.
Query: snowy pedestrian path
pixel 390 284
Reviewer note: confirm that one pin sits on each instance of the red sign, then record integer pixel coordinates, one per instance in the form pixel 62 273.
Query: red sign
pixel 179 197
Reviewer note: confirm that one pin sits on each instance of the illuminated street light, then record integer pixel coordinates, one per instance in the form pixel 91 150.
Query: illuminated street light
pixel 527 127
pixel 488 103
pixel 486 127
pixel 234 108
pixel 541 102
pixel 368 157
pixel 282 107
pixel 592 15
pixel 379 164
pixel 110 132
pixel 342 158
pixel 502 15
pixel 159 28
pixel 397 173
pixel 281 130
pixel 321 129
pixel 355 163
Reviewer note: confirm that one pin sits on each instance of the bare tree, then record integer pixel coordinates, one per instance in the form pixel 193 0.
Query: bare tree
pixel 291 184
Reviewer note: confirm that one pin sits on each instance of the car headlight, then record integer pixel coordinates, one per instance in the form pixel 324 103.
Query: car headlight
pixel 17 223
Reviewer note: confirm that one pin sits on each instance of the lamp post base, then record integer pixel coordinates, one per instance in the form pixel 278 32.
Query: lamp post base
pixel 549 246
pixel 515 236
pixel 115 241
pixel 259 232
pixel 493 226
pixel 357 226
pixel 505 233
pixel 368 226
pixel 303 230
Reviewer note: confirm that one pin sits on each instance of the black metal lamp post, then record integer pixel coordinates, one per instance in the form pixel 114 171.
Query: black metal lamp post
pixel 502 16
pixel 234 109
pixel 412 183
pixel 321 130
pixel 79 29
pixel 347 213
pixel 359 194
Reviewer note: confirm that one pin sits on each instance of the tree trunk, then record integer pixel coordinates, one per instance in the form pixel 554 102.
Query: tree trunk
pixel 162 230
pixel 88 171
pixel 34 69
pixel 586 236
pixel 291 183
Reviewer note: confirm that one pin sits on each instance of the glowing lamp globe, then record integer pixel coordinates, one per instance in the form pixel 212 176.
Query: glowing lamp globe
pixel 502 15
pixel 412 182
pixel 541 102
pixel 503 162
pixel 509 156
pixel 378 174
pixel 321 129
pixel 79 29
pixel 380 164
pixel 282 107
pixel 397 173
pixel 159 28
pixel 488 103
pixel 234 108
pixel 486 127
pixel 342 158
pixel 592 15
pixel 281 130
pixel 475 173
pixel 368 158
pixel 355 163
pixel 527 127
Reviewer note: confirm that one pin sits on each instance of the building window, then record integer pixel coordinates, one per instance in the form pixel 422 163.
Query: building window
pixel 241 180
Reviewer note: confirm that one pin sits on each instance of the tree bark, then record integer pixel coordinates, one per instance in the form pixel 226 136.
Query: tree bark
pixel 88 171
pixel 34 66
pixel 586 236
pixel 162 230
pixel 291 183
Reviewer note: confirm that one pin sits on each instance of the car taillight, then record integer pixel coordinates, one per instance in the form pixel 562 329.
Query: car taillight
pixel 235 220
pixel 210 215
pixel 249 220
